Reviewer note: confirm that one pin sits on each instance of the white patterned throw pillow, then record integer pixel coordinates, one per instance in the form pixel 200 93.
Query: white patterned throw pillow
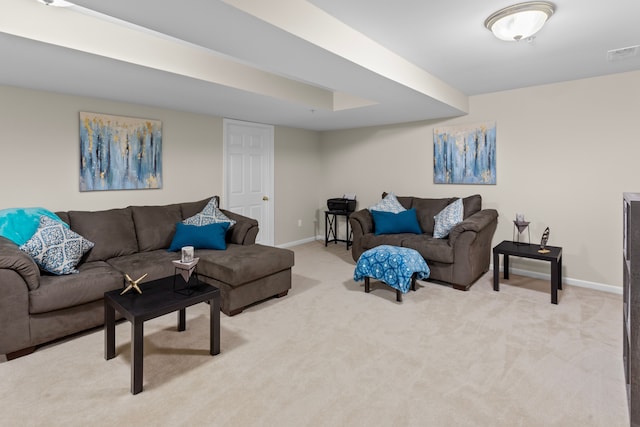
pixel 448 218
pixel 55 248
pixel 389 204
pixel 209 215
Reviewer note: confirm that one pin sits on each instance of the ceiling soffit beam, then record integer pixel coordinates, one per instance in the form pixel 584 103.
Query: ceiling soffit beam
pixel 85 30
pixel 310 23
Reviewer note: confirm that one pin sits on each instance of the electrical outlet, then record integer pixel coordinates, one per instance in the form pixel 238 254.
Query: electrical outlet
pixel 299 223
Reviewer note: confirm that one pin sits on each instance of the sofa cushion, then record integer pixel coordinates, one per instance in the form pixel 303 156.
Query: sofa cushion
pixel 426 209
pixel 430 248
pixel 64 216
pixel 370 240
pixel 240 264
pixel 392 223
pixel 472 204
pixel 192 208
pixel 388 204
pixel 156 264
pixel 210 214
pixel 155 225
pixel 211 236
pixel 447 218
pixel 112 231
pixel 90 284
pixel 56 248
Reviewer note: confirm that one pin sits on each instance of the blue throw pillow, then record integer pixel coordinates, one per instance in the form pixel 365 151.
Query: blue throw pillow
pixel 211 236
pixel 392 223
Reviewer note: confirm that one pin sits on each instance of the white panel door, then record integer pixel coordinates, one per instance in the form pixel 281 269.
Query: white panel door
pixel 248 154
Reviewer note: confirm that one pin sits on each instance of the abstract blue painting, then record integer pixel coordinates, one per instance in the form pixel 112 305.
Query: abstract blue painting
pixel 465 154
pixel 119 153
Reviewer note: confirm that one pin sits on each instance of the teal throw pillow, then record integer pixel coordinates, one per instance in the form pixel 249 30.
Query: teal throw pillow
pixel 448 218
pixel 210 236
pixel 19 224
pixel 56 248
pixel 392 223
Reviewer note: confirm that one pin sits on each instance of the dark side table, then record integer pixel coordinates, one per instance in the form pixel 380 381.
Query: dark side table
pixel 526 250
pixel 331 227
pixel 157 299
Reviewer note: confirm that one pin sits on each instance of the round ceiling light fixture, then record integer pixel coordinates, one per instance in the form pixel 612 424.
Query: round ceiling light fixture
pixel 520 21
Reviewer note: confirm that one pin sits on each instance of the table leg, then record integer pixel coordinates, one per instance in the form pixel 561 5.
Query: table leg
pixel 366 284
pixel 109 331
pixel 182 319
pixel 347 235
pixel 554 282
pixel 505 266
pixel 137 344
pixel 560 272
pixel 214 326
pixel 333 229
pixel 326 229
pixel 496 271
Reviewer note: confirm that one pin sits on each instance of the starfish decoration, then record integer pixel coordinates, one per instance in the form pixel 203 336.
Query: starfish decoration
pixel 133 284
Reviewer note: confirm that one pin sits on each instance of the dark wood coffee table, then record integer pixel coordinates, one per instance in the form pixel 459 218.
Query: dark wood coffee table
pixel 157 299
pixel 525 250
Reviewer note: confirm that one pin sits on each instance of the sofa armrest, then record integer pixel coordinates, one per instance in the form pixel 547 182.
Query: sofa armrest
pixel 245 230
pixel 18 274
pixel 361 223
pixel 476 222
pixel 12 258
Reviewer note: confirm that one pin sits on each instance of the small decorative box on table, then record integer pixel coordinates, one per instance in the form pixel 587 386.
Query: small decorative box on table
pixel 395 266
pixel 186 269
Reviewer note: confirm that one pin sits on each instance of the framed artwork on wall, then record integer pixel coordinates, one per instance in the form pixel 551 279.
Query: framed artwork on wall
pixel 465 154
pixel 119 153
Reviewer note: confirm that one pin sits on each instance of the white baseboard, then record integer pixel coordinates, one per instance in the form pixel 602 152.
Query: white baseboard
pixel 567 280
pixel 297 242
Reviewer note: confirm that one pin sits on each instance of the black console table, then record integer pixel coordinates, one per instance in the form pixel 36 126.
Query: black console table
pixel 331 227
pixel 158 298
pixel 525 250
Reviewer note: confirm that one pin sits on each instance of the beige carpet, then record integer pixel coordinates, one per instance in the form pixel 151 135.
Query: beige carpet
pixel 330 355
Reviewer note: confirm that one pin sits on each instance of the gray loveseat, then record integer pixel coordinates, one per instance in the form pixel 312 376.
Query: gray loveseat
pixel 459 259
pixel 37 307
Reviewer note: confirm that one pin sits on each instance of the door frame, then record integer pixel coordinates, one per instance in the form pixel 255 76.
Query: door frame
pixel 269 185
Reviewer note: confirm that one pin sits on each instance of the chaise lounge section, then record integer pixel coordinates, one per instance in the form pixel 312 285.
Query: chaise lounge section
pixel 37 307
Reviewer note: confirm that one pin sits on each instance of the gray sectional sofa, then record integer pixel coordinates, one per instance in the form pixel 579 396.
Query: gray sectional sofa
pixel 37 307
pixel 459 259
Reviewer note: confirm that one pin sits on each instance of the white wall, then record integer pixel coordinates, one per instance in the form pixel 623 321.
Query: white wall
pixel 565 154
pixel 297 184
pixel 39 159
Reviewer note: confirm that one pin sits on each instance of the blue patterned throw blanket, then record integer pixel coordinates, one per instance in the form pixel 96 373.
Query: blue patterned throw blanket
pixel 393 265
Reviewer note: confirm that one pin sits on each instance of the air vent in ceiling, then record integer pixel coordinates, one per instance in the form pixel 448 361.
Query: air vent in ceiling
pixel 623 53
